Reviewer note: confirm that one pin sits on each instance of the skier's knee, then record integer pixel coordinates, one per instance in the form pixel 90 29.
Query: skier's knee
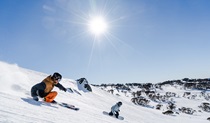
pixel 116 114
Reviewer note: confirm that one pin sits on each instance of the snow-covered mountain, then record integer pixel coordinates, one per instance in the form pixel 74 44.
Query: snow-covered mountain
pixel 16 105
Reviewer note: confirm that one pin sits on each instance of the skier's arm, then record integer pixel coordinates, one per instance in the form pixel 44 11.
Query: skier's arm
pixel 60 87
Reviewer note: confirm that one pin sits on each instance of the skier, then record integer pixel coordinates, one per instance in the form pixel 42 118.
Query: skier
pixel 44 89
pixel 115 109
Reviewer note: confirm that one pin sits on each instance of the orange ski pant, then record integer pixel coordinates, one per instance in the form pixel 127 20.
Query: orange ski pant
pixel 51 96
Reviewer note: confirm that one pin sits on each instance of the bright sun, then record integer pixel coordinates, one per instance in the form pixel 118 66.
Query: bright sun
pixel 98 26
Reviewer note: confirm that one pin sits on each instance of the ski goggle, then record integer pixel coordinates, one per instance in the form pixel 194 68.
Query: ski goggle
pixel 58 80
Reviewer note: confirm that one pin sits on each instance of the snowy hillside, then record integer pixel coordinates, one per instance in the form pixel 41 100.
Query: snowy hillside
pixel 16 105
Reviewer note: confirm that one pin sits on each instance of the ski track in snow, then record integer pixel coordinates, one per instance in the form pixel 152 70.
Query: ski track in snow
pixel 16 105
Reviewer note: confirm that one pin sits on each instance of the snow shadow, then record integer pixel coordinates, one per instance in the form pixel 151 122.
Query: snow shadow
pixel 37 103
pixel 31 101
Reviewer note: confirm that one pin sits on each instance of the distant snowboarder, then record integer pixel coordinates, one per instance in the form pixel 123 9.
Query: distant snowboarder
pixel 44 89
pixel 115 109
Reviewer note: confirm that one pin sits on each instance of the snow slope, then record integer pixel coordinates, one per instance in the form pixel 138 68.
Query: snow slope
pixel 17 107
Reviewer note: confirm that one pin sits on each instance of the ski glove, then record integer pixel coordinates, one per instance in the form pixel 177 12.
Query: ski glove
pixel 63 89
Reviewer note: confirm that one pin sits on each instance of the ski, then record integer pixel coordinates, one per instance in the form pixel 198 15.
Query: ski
pixel 68 106
pixel 119 117
pixel 41 102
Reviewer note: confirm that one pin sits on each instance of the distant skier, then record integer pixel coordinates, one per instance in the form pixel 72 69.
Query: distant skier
pixel 115 109
pixel 44 89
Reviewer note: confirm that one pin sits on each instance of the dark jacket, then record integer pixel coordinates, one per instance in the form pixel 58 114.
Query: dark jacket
pixel 45 87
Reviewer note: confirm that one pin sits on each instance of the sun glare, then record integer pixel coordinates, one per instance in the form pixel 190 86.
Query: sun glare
pixel 98 26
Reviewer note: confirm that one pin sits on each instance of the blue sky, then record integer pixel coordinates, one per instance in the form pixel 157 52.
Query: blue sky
pixel 147 40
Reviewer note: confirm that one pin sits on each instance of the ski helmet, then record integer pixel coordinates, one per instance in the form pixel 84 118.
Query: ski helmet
pixel 119 103
pixel 57 76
